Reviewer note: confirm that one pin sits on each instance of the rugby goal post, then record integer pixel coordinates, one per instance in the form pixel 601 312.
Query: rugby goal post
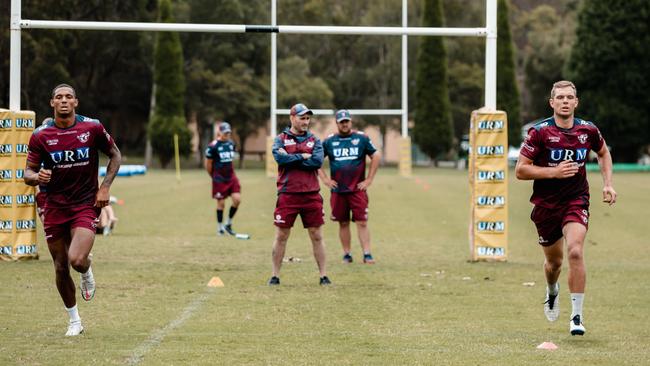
pixel 17 24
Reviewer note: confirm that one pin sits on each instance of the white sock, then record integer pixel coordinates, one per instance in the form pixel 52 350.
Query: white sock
pixel 73 312
pixel 229 222
pixel 220 226
pixel 576 304
pixel 553 289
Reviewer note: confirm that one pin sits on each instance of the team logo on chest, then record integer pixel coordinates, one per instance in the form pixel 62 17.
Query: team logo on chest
pixel 355 141
pixel 84 137
pixel 554 139
pixel 310 144
pixel 582 138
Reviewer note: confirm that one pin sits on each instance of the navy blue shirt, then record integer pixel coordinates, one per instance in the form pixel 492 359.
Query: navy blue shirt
pixel 347 156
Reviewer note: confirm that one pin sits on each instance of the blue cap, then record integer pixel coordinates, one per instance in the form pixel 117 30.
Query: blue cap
pixel 224 127
pixel 343 115
pixel 300 109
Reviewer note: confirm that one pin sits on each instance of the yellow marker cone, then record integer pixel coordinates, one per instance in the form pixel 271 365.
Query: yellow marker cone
pixel 215 282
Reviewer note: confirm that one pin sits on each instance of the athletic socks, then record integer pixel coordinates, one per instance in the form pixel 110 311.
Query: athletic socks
pixel 553 289
pixel 576 304
pixel 73 312
pixel 231 214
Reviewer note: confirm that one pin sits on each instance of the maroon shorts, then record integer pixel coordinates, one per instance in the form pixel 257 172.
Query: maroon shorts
pixel 549 222
pixel 344 203
pixel 308 205
pixel 58 222
pixel 222 190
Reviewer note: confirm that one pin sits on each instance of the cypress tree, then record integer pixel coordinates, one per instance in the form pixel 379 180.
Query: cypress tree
pixel 507 91
pixel 169 106
pixel 610 64
pixel 433 129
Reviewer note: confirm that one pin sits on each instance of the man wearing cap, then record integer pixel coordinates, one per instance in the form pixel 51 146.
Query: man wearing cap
pixel 299 155
pixel 218 162
pixel 347 151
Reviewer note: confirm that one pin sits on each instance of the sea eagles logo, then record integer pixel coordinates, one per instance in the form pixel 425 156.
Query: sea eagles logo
pixel 582 138
pixel 310 144
pixel 84 137
pixel 355 141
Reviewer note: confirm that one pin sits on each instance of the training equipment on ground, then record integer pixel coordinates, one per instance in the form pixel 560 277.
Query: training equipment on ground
pixel 242 236
pixel 547 346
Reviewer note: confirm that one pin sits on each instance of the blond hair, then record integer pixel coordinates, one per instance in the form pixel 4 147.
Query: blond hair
pixel 563 84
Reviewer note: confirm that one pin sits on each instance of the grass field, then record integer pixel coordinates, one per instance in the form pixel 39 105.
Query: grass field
pixel 416 306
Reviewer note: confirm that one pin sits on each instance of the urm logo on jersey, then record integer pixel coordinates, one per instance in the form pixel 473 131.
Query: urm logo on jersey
pixel 491 201
pixel 490 226
pixel 490 151
pixel 557 155
pixel 71 156
pixel 346 153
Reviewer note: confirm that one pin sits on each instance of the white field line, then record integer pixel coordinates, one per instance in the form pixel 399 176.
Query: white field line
pixel 156 337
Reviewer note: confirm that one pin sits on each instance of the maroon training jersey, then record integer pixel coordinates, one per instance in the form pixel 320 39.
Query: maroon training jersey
pixel 547 145
pixel 73 156
pixel 295 174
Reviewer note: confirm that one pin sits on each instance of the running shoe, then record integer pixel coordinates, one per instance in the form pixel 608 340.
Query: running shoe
pixel 325 281
pixel 576 327
pixel 347 258
pixel 87 284
pixel 552 306
pixel 274 281
pixel 74 329
pixel 368 259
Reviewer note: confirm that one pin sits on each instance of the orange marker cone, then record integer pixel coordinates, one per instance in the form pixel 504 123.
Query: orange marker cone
pixel 215 282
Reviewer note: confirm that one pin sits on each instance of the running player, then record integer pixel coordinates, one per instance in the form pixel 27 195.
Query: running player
pixel 299 155
pixel 554 155
pixel 64 157
pixel 218 162
pixel 347 151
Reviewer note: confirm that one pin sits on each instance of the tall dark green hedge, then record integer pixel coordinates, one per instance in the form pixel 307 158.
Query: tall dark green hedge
pixel 507 90
pixel 433 130
pixel 169 108
pixel 610 65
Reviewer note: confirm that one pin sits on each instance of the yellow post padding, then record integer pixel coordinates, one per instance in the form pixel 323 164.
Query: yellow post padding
pixel 17 200
pixel 405 160
pixel 271 165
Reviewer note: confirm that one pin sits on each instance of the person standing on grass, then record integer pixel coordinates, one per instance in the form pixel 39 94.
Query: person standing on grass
pixel 299 155
pixel 218 163
pixel 553 154
pixel 64 159
pixel 347 151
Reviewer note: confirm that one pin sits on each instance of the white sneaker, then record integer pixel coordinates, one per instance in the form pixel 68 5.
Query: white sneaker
pixel 576 327
pixel 87 284
pixel 552 306
pixel 74 329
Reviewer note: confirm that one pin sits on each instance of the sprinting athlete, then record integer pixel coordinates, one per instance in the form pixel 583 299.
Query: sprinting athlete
pixel 347 151
pixel 218 163
pixel 64 157
pixel 554 155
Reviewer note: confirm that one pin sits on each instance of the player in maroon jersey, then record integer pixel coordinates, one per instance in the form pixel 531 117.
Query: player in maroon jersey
pixel 553 154
pixel 64 157
pixel 299 155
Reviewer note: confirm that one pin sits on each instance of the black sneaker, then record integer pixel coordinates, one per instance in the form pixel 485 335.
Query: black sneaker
pixel 368 259
pixel 347 258
pixel 324 281
pixel 229 230
pixel 274 281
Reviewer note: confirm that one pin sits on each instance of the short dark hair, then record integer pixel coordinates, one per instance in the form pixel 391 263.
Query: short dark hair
pixel 63 86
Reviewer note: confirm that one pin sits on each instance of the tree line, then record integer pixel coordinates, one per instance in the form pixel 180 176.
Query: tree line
pixel 599 44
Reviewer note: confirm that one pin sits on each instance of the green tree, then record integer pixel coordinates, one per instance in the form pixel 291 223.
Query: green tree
pixel 610 64
pixel 433 127
pixel 507 91
pixel 168 116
